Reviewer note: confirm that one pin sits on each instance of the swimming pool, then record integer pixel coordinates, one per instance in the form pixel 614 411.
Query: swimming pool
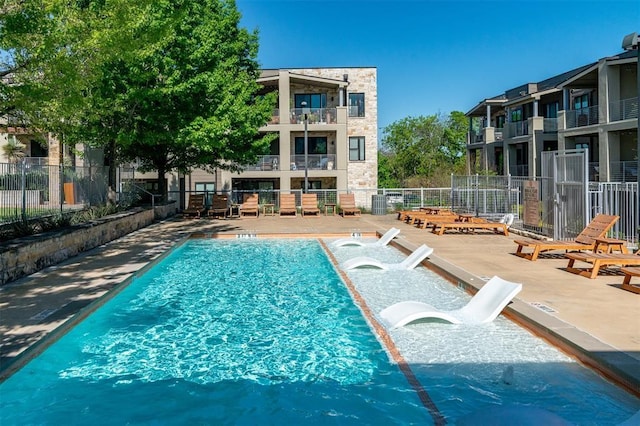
pixel 264 331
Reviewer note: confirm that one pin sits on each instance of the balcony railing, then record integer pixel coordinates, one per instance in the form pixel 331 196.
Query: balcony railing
pixel 519 170
pixel 623 110
pixel 266 163
pixel 517 128
pixel 275 117
pixel 314 115
pixel 550 125
pixel 582 117
pixel 619 171
pixel 314 162
pixel 623 171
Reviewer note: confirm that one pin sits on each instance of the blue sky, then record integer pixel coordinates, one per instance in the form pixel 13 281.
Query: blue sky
pixel 439 56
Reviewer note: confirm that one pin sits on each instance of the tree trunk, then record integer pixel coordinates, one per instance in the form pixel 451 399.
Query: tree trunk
pixel 110 162
pixel 162 182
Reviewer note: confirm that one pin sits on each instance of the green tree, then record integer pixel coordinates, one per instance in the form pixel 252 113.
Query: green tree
pixel 385 176
pixel 52 51
pixel 188 101
pixel 169 83
pixel 424 151
pixel 13 150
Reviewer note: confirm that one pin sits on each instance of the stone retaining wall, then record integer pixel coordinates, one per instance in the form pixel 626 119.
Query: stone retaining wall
pixel 27 255
pixel 164 211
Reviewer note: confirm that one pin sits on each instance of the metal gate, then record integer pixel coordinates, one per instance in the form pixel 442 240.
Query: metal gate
pixel 566 191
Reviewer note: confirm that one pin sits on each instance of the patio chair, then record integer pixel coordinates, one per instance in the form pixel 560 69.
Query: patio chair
pixel 288 205
pixel 310 205
pixel 195 207
pixel 626 283
pixel 250 206
pixel 413 260
pixel 586 240
pixel 420 219
pixel 483 307
pixel 439 228
pixel 219 206
pixel 348 205
pixel 598 260
pixel 382 241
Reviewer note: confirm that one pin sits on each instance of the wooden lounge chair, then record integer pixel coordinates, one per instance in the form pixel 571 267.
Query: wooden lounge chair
pixel 310 205
pixel 195 207
pixel 425 220
pixel 626 283
pixel 250 206
pixel 597 228
pixel 476 223
pixel 219 206
pixel 599 260
pixel 348 205
pixel 288 205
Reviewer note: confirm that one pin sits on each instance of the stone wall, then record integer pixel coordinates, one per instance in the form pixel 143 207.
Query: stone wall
pixel 24 256
pixel 164 211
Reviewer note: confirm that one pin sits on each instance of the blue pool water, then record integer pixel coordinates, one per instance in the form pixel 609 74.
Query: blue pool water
pixel 265 332
pixel 220 332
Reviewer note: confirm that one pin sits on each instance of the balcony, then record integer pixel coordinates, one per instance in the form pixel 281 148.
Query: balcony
pixel 266 163
pixel 625 109
pixel 517 128
pixel 275 117
pixel 550 125
pixel 582 117
pixel 486 134
pixel 315 162
pixel 623 171
pixel 314 115
pixel 519 170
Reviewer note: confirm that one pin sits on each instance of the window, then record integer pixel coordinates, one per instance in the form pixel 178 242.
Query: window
pixel 500 121
pixel 516 115
pixel 208 188
pixel 356 148
pixel 551 110
pixel 316 145
pixel 581 102
pixel 38 150
pixel 313 100
pixel 313 184
pixel 356 104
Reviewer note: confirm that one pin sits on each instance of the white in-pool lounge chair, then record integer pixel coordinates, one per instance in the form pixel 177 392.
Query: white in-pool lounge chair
pixel 484 307
pixel 382 241
pixel 409 263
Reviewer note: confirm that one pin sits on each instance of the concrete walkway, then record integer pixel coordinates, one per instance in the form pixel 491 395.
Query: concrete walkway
pixel 594 318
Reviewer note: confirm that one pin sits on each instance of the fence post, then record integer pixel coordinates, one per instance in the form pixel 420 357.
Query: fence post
pixel 61 184
pixel 24 190
pixel 452 189
pixel 507 199
pixel 477 197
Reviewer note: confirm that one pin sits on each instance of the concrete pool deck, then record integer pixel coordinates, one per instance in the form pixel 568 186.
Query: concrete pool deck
pixel 595 318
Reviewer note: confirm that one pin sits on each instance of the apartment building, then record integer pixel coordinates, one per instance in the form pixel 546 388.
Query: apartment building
pixel 594 107
pixel 339 106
